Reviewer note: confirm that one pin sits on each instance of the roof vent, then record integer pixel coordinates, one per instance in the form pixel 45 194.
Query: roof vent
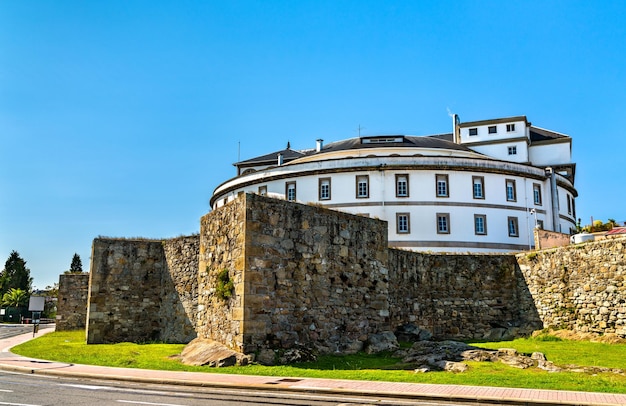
pixel 319 145
pixel 382 140
pixel 280 159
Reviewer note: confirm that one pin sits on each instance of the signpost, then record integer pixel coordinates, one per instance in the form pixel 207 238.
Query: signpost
pixel 36 304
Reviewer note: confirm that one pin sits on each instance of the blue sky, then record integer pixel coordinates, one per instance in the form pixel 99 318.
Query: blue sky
pixel 119 118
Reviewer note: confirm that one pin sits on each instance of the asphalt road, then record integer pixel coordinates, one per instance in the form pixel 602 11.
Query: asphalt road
pixel 34 390
pixel 11 330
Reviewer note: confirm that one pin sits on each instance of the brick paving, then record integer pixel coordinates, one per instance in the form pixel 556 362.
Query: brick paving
pixel 477 394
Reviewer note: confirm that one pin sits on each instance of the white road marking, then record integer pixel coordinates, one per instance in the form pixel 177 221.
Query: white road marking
pixel 148 403
pixel 17 404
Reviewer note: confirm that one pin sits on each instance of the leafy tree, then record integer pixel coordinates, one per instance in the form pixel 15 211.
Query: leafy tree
pixel 15 275
pixel 77 265
pixel 15 298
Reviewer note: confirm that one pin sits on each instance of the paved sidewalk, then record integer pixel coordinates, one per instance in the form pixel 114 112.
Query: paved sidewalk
pixel 477 394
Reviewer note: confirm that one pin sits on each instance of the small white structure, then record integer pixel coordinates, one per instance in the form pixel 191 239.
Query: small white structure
pixel 469 190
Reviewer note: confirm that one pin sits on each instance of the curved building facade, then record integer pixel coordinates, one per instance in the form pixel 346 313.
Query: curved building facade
pixel 481 188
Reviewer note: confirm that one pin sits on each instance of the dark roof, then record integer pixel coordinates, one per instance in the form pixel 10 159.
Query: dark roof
pixel 442 141
pixel 539 134
pixel 271 158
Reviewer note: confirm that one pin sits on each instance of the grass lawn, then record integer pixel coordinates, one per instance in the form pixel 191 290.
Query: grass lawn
pixel 70 347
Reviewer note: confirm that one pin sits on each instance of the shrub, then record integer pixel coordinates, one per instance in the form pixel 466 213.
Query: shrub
pixel 224 287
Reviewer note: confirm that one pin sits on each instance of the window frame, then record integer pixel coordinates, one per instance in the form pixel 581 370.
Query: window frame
pixel 446 217
pixel 510 128
pixel 320 184
pixel 513 188
pixel 287 189
pixel 514 221
pixel 483 217
pixel 262 191
pixel 512 149
pixel 399 230
pixel 537 195
pixel 473 131
pixel 367 186
pixel 492 129
pixel 399 176
pixel 446 181
pixel 481 182
pixel 569 204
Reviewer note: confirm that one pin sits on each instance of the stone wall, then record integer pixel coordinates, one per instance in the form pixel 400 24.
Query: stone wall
pixel 460 296
pixel 303 276
pixel 179 290
pixel 580 287
pixel 134 295
pixel 314 277
pixel 222 242
pixel 72 301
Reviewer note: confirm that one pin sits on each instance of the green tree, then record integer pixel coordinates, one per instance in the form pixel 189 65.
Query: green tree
pixel 77 265
pixel 15 275
pixel 17 299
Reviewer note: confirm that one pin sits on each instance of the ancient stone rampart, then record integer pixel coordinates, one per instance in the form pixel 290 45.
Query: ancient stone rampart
pixel 72 301
pixel 460 296
pixel 139 294
pixel 303 276
pixel 271 274
pixel 579 287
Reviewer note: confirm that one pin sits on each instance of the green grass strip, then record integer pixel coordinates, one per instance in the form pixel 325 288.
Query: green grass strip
pixel 70 347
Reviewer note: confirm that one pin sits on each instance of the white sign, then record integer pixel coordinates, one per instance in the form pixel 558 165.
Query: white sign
pixel 36 304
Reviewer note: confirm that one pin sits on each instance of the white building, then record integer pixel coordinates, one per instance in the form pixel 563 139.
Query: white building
pixel 482 188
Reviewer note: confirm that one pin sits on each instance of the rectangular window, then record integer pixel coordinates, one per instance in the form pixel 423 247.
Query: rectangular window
pixel 510 128
pixel 402 185
pixel 492 129
pixel 403 225
pixel 362 186
pixel 512 150
pixel 513 227
pixel 480 224
pixel 263 190
pixel 443 223
pixel 442 185
pixel 290 191
pixel 473 131
pixel 478 183
pixel 569 204
pixel 324 189
pixel 510 190
pixel 540 224
pixel 537 194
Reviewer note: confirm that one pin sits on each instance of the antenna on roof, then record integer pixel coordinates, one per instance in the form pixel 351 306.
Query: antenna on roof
pixel 238 151
pixel 288 145
pixel 360 128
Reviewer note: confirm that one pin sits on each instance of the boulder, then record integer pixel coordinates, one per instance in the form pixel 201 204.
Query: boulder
pixel 201 352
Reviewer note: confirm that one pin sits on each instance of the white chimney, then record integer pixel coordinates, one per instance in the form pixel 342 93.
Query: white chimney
pixel 319 145
pixel 280 159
